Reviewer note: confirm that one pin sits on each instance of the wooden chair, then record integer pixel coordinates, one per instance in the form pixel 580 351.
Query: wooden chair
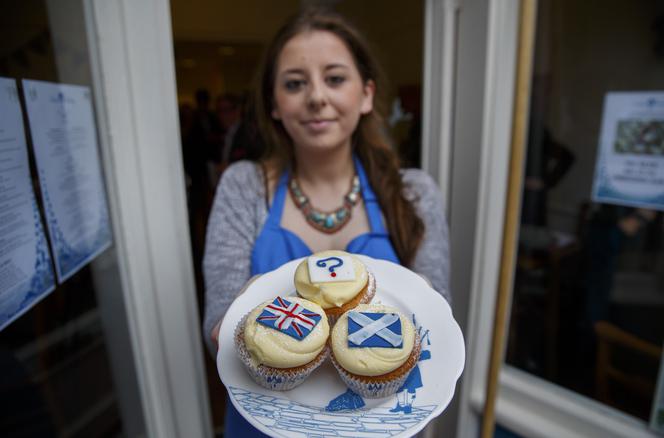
pixel 609 336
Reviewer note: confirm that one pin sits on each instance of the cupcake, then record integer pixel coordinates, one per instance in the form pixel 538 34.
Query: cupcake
pixel 335 280
pixel 282 341
pixel 374 348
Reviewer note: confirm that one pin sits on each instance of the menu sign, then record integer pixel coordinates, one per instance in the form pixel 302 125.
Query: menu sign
pixel 64 138
pixel 26 273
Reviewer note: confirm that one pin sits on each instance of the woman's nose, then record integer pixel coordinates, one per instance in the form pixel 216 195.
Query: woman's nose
pixel 317 97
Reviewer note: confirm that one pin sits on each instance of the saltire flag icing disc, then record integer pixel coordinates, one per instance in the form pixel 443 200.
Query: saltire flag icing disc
pixel 367 329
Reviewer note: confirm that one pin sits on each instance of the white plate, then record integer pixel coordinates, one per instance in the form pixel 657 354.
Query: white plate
pixel 315 408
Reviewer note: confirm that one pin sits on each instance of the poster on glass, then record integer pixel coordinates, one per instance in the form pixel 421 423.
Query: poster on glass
pixel 26 273
pixel 64 138
pixel 630 162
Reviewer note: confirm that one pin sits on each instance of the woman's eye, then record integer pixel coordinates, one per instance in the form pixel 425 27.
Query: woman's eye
pixel 294 84
pixel 335 80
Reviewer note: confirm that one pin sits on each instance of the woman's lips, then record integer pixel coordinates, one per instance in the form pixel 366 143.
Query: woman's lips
pixel 318 124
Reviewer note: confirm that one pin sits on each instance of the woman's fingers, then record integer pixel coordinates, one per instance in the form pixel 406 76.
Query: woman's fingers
pixel 215 331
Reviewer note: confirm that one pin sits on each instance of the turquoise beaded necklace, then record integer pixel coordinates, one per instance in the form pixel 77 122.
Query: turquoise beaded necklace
pixel 327 222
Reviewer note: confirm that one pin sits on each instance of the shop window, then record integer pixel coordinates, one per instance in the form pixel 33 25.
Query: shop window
pixel 589 281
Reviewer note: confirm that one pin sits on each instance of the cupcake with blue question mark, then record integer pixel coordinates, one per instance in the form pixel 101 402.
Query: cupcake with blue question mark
pixel 335 280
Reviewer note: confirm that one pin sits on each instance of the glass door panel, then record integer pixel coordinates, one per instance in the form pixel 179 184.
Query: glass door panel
pixel 589 284
pixel 65 363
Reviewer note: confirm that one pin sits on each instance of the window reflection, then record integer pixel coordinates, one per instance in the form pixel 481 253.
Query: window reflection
pixel 589 282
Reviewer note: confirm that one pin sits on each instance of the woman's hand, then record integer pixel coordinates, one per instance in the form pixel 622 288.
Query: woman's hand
pixel 215 331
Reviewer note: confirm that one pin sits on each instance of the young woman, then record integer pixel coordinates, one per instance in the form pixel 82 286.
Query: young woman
pixel 329 178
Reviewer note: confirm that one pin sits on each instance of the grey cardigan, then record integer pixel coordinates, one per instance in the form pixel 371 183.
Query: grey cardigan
pixel 239 212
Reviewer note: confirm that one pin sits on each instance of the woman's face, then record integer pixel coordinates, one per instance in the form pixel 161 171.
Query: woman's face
pixel 319 94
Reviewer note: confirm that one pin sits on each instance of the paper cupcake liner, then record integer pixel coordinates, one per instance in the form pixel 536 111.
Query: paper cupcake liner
pixel 376 387
pixel 277 379
pixel 371 289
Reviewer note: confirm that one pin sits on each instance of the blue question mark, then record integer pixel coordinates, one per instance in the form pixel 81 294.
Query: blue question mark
pixel 323 264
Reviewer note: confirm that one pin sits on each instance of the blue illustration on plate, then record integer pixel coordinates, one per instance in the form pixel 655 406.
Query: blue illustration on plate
pixel 348 400
pixel 405 395
pixel 292 419
pixel 408 391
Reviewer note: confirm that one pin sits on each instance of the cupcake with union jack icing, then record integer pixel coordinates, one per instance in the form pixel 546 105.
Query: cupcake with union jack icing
pixel 335 280
pixel 374 348
pixel 282 341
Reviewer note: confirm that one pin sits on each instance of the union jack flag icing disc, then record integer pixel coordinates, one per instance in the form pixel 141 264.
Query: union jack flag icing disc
pixel 292 319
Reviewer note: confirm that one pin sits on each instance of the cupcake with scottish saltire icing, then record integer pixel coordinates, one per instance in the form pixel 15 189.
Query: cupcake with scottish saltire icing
pixel 282 341
pixel 374 348
pixel 335 280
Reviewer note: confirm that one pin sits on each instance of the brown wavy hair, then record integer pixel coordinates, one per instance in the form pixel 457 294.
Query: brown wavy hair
pixel 370 141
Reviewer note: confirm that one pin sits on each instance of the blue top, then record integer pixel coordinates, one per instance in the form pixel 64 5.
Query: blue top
pixel 276 246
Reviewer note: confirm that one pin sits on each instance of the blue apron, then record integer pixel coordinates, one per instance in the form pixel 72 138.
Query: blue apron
pixel 276 246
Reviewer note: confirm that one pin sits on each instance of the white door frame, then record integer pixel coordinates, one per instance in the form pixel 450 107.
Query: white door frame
pixel 440 48
pixel 134 76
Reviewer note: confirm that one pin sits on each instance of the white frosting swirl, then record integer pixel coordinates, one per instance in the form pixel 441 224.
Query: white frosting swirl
pixel 333 294
pixel 371 361
pixel 270 347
